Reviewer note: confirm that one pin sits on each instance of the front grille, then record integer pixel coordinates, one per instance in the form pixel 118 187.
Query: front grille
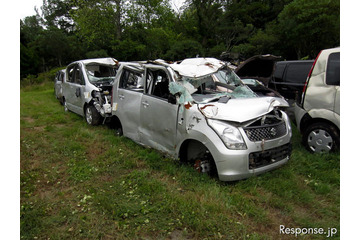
pixel 267 132
pixel 266 157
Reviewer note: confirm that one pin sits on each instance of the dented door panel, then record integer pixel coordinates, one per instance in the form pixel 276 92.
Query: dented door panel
pixel 319 95
pixel 128 102
pixel 158 120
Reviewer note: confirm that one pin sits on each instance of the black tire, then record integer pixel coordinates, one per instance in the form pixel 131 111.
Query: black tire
pixel 61 100
pixel 119 131
pixel 321 138
pixel 92 116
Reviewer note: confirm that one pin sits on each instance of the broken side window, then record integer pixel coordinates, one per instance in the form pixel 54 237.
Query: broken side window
pixel 70 71
pixel 78 77
pixel 157 83
pixel 131 80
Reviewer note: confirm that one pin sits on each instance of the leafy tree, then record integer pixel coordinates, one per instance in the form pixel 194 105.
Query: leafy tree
pixel 184 49
pixel 53 46
pixel 69 30
pixel 206 14
pixel 30 29
pixel 95 23
pixel 56 13
pixel 306 27
pixel 29 61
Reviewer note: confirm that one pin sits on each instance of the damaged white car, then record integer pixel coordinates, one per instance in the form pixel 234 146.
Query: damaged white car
pixel 199 111
pixel 87 88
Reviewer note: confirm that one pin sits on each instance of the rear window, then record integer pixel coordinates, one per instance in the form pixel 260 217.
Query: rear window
pixel 297 73
pixel 333 69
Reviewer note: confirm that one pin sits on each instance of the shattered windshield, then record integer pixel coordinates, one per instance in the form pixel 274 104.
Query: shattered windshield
pixel 224 83
pixel 100 73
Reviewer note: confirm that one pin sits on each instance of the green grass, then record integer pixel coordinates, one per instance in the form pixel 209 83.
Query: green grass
pixel 79 181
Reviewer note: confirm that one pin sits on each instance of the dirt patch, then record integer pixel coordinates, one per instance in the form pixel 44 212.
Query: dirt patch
pixel 28 119
pixel 178 235
pixel 39 128
pixel 95 150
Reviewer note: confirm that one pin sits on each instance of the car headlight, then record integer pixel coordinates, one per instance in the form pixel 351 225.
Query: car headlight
pixel 229 134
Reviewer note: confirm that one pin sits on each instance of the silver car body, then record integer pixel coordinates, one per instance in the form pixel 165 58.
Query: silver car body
pixel 321 98
pixel 59 79
pixel 81 81
pixel 197 123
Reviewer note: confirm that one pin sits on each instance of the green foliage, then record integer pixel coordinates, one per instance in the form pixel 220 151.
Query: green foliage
pixel 44 77
pixel 96 23
pixel 129 50
pixel 184 49
pixel 306 28
pixel 149 29
pixel 101 53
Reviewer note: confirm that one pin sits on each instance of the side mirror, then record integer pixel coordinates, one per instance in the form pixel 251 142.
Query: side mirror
pixel 172 99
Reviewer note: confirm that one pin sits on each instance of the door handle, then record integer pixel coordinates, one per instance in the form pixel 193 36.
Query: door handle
pixel 121 97
pixel 145 104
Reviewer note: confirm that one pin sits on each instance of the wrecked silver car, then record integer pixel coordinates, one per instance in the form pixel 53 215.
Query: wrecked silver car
pixel 199 111
pixel 87 88
pixel 58 82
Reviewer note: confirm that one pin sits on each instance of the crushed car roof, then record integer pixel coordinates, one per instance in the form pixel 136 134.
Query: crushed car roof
pixel 197 67
pixel 107 61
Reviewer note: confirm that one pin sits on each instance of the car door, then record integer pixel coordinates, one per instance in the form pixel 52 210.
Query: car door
pixel 158 118
pixel 57 85
pixel 127 98
pixel 67 87
pixel 75 89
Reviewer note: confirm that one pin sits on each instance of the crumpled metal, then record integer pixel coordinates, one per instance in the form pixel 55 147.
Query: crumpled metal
pixel 184 91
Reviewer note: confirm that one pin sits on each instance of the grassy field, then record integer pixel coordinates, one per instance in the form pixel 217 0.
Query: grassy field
pixel 83 182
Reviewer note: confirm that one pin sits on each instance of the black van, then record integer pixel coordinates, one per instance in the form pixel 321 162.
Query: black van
pixel 289 77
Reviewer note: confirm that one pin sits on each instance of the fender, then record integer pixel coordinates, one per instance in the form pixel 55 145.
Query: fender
pixel 326 114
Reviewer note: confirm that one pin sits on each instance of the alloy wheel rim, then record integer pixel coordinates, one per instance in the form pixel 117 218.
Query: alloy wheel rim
pixel 88 115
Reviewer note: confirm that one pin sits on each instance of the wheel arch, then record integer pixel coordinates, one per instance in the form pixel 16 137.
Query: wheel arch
pixel 196 145
pixel 307 120
pixel 195 152
pixel 91 102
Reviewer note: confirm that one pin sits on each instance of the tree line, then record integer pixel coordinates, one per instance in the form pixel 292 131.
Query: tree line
pixel 69 30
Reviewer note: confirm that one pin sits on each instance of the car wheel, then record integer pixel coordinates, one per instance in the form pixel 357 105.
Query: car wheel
pixel 321 138
pixel 119 132
pixel 205 164
pixel 61 100
pixel 92 116
pixel 65 105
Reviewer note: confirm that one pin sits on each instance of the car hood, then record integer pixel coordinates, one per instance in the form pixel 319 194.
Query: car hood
pixel 242 109
pixel 259 67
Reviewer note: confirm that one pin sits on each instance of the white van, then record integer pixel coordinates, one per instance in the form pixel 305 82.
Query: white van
pixel 318 112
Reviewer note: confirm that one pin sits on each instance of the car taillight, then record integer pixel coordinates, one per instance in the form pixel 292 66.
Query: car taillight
pixel 307 80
